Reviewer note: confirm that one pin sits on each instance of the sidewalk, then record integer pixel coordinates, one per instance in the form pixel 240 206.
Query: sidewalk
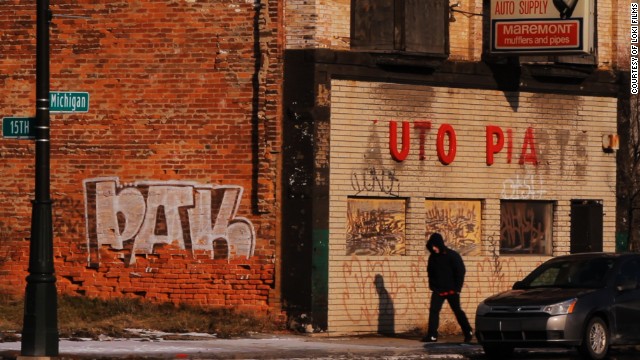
pixel 299 347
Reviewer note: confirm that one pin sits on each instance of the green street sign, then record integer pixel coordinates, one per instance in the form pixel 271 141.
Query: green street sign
pixel 19 127
pixel 68 102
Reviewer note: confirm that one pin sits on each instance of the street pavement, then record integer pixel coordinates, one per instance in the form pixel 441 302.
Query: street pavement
pixel 286 346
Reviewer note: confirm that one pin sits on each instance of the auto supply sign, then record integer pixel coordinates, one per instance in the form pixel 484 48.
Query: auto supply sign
pixel 542 26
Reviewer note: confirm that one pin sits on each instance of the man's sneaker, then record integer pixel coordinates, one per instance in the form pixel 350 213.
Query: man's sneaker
pixel 468 337
pixel 429 339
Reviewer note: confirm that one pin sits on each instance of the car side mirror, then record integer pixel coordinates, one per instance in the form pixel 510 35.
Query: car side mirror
pixel 518 285
pixel 627 284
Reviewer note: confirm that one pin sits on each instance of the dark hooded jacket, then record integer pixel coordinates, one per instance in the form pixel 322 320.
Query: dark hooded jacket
pixel 445 269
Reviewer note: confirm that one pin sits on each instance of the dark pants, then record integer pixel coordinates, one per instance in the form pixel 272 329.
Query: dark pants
pixel 434 313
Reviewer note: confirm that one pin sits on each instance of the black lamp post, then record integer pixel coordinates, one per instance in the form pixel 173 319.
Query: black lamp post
pixel 40 327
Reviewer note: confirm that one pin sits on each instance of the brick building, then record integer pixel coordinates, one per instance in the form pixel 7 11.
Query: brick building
pixel 164 188
pixel 405 118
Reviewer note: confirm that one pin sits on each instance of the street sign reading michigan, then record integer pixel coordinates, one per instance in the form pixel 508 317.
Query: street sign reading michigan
pixel 68 102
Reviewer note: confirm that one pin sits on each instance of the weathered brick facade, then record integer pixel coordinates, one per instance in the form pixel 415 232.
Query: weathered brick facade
pixel 567 132
pixel 345 130
pixel 182 137
pixel 313 24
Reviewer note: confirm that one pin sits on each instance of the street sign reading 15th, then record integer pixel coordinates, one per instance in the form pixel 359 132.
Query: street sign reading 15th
pixel 68 102
pixel 19 127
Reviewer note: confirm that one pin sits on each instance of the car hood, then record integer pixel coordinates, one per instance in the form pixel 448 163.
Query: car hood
pixel 538 296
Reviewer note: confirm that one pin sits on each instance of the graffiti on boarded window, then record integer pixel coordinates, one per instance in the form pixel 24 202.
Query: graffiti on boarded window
pixel 525 227
pixel 189 215
pixel 375 226
pixel 459 222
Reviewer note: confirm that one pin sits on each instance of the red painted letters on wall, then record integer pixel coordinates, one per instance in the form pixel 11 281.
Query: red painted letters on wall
pixel 494 137
pixel 446 130
pixel 393 141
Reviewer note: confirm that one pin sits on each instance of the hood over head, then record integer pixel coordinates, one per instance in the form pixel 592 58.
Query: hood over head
pixel 436 240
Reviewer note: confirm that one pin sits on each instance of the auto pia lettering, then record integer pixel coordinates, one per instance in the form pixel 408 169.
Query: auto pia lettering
pixel 497 140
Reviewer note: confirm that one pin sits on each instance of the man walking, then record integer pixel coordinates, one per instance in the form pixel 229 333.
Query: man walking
pixel 446 270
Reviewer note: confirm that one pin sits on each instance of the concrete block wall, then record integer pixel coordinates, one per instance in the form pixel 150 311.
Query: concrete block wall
pixel 567 132
pixel 182 93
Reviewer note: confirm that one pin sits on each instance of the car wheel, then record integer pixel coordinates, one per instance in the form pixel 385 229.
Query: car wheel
pixel 498 352
pixel 595 343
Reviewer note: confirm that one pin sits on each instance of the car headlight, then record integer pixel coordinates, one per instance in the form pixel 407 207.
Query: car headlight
pixel 563 308
pixel 483 309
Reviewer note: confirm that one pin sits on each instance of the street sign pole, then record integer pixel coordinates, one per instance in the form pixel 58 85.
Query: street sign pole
pixel 40 328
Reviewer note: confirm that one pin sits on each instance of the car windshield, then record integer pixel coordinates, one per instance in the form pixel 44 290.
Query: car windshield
pixel 574 273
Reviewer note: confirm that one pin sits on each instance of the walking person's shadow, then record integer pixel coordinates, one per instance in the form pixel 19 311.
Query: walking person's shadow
pixel 386 312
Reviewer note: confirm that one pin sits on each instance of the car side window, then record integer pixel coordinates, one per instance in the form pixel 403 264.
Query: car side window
pixel 592 274
pixel 629 274
pixel 589 273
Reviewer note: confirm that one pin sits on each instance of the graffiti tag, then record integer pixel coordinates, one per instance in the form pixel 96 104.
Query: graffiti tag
pixel 372 179
pixel 521 188
pixel 186 214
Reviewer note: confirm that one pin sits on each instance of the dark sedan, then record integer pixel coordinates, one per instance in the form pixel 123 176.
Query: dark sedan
pixel 590 301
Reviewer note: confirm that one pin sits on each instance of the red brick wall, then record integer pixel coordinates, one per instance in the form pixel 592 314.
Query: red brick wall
pixel 180 91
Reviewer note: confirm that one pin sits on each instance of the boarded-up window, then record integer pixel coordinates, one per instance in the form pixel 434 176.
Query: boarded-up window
pixel 525 227
pixel 412 26
pixel 459 221
pixel 376 226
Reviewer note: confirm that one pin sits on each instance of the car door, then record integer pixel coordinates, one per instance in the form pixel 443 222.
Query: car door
pixel 627 301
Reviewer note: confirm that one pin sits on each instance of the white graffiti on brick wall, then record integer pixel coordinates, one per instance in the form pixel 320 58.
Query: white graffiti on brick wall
pixel 522 188
pixel 146 213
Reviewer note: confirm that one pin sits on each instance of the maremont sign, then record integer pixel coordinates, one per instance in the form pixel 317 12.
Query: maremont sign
pixel 542 26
